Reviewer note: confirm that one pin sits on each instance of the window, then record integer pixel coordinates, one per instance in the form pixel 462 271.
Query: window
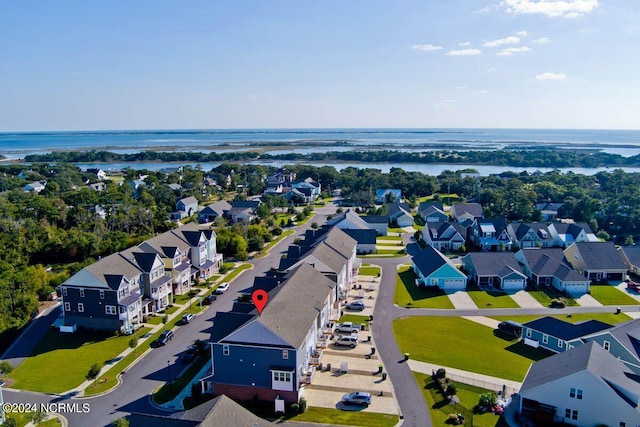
pixel 579 394
pixel 574 415
pixel 572 393
pixel 623 424
pixel 560 343
pixel 285 354
pixel 67 306
pixel 606 345
pixel 545 339
pixel 81 293
pixel 80 307
pixel 64 292
pixel 282 376
pixel 225 350
pixel 101 294
pixel 528 333
pixel 110 309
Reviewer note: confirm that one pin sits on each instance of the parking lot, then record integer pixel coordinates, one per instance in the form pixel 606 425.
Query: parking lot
pixel 344 369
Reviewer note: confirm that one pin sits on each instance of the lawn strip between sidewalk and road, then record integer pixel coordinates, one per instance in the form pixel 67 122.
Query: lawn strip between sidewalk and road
pixel 610 295
pixel 345 418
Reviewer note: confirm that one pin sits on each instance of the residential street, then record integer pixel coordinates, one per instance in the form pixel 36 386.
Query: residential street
pixel 140 380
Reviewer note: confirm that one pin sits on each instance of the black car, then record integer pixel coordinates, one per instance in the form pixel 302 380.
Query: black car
pixel 164 338
pixel 209 299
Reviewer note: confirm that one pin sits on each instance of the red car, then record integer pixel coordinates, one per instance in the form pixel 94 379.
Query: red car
pixel 633 286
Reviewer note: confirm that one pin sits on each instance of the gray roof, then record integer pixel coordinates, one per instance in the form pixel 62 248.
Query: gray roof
pixel 376 219
pixel 632 253
pixel 551 262
pixel 600 255
pixel 440 228
pixel 628 334
pixel 573 228
pixel 498 264
pixel 165 245
pixel 225 413
pixel 540 229
pixel 292 311
pixel 430 260
pixel 565 330
pixel 105 273
pixel 143 260
pixel 427 208
pixel 363 237
pixel 589 357
pixel 250 204
pixel 350 216
pixel 219 208
pixel 339 241
pixel 395 209
pixel 474 209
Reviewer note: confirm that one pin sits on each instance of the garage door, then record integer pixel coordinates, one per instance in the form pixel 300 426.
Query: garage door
pixel 512 283
pixel 454 283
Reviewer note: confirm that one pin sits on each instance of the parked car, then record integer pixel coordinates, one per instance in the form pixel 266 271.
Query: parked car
pixel 209 299
pixel 357 398
pixel 347 340
pixel 355 305
pixel 511 328
pixel 187 318
pixel 347 328
pixel 187 356
pixel 164 337
pixel 224 287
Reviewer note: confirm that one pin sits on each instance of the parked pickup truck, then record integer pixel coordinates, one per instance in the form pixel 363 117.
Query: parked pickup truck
pixel 347 327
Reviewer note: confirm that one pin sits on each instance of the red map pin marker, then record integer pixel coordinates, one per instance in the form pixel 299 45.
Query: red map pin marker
pixel 259 298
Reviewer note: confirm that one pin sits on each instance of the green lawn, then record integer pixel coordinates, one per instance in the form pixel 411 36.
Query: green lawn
pixel 21 418
pixel 170 390
pixel 384 241
pixel 229 277
pixel 407 294
pixel 609 318
pixel 491 299
pixel 184 298
pixel 49 370
pixel 392 252
pixel 394 238
pixel 454 342
pixel 346 418
pixel 468 395
pixel 610 295
pixel 369 271
pixel 354 318
pixel 395 230
pixel 545 294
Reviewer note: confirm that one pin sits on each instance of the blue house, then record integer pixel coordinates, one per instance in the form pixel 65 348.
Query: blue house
pixel 622 341
pixel 432 268
pixel 556 335
pixel 273 354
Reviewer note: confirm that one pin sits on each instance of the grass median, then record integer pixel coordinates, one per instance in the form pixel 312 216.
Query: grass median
pixel 346 418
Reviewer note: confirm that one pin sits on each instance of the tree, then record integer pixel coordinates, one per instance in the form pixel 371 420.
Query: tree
pixel 441 373
pixel 133 343
pixel 121 422
pixel 314 225
pixel 10 422
pixel 487 400
pixel 38 417
pixel 628 241
pixel 5 367
pixel 94 371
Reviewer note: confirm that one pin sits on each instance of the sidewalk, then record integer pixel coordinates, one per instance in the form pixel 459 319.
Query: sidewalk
pixel 154 329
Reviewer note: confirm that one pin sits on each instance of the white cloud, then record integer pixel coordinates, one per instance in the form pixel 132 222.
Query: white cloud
pixel 490 70
pixel 426 47
pixel 461 87
pixel 481 92
pixel 542 40
pixel 523 33
pixel 463 52
pixel 551 8
pixel 487 9
pixel 463 44
pixel 543 102
pixel 511 50
pixel 500 42
pixel 551 76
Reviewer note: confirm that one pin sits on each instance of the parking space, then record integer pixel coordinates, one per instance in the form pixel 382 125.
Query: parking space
pixel 343 369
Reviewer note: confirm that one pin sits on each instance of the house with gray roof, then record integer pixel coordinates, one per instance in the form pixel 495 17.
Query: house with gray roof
pixel 567 233
pixel 597 261
pixel 432 212
pixel 380 223
pixel 548 210
pixel 175 253
pixel 631 257
pixel 184 208
pixel 432 268
pixel 490 234
pixel 466 211
pixel 530 235
pixel 274 353
pixel 622 341
pixel 548 267
pixel 155 284
pixel 585 386
pixel 35 187
pixel 444 236
pixel 213 211
pixel 399 214
pixel 557 335
pixel 106 295
pixel 499 269
pixel 365 239
pixel 243 211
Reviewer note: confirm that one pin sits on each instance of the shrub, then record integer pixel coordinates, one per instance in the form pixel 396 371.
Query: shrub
pixel 276 231
pixel 5 367
pixel 165 319
pixel 556 302
pixel 224 268
pixel 441 373
pixel 314 225
pixel 451 390
pixel 120 422
pixel 302 405
pixel 487 400
pixel 94 371
pixel 294 408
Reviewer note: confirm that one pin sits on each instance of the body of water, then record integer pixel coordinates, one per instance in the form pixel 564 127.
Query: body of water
pixel 19 144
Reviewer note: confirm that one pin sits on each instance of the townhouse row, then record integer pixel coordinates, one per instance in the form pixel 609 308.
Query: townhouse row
pixel 118 291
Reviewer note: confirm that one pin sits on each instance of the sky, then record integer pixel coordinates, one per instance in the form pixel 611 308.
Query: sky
pixel 116 64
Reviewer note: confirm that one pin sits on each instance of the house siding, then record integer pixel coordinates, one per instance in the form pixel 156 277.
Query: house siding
pixel 552 342
pixel 616 349
pixel 94 307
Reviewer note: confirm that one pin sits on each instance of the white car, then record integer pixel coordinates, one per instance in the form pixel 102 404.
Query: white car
pixel 347 328
pixel 224 287
pixel 347 340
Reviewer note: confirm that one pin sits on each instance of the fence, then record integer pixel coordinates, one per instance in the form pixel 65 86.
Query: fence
pixel 501 389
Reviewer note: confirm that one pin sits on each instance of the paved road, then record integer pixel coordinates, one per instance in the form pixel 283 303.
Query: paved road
pixel 31 336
